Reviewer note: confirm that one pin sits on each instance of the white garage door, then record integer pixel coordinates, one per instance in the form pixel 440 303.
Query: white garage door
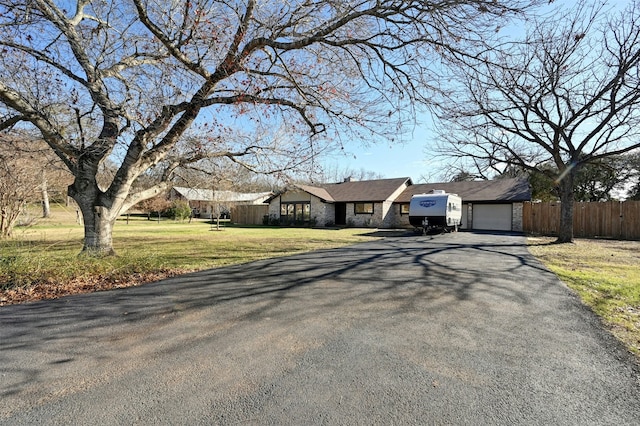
pixel 494 217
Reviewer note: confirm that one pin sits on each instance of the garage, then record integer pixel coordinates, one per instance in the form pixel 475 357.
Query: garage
pixel 492 205
pixel 494 217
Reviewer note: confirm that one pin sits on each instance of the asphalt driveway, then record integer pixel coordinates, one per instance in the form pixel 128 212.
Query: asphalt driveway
pixel 454 329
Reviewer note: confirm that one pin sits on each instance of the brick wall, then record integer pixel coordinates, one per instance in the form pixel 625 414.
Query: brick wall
pixel 516 218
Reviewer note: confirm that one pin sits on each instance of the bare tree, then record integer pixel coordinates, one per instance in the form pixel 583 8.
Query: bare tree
pixel 44 190
pixel 566 95
pixel 157 205
pixel 26 165
pixel 129 80
pixel 333 173
pixel 18 184
pixel 16 187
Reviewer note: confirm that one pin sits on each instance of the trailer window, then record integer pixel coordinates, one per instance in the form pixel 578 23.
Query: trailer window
pixel 363 208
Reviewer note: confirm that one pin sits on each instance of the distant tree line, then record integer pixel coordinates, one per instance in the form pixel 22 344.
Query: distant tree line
pixel 610 178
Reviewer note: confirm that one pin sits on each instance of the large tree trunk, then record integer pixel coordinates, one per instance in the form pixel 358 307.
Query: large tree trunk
pixel 99 214
pixel 98 231
pixel 565 233
pixel 98 228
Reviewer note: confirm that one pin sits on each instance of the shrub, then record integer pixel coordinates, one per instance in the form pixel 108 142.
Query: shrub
pixel 179 210
pixel 271 220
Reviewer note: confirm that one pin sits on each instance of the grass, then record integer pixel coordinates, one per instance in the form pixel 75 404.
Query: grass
pixel 42 261
pixel 606 276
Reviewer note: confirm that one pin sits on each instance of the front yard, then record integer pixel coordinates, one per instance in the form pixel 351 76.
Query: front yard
pixel 606 275
pixel 42 262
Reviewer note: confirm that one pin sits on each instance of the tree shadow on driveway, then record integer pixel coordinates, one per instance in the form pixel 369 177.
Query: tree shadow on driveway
pixel 375 270
pixel 489 283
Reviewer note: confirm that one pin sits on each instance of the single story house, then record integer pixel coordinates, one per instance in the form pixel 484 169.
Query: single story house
pixel 384 203
pixel 203 202
pixel 350 203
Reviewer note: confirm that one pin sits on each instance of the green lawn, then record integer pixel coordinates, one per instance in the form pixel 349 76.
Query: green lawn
pixel 42 260
pixel 606 275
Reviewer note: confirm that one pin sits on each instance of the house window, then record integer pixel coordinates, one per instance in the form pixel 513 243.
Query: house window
pixel 363 208
pixel 404 208
pixel 295 212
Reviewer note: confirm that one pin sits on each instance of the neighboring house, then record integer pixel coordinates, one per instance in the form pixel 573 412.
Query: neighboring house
pixel 486 205
pixel 353 203
pixel 384 203
pixel 204 201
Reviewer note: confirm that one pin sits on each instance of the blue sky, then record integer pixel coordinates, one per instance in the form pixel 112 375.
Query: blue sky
pixel 412 158
pixel 408 159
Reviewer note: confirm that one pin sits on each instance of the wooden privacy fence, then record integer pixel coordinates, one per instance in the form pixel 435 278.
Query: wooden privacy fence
pixel 610 219
pixel 249 214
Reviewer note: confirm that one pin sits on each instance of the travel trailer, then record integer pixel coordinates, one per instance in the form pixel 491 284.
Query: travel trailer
pixel 435 210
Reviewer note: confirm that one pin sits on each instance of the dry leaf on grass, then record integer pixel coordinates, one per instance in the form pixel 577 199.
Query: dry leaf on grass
pixel 50 290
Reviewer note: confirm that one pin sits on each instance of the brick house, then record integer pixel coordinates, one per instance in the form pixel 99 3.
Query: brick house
pixel 384 203
pixel 349 203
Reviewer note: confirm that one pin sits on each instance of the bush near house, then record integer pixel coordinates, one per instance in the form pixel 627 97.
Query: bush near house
pixel 179 210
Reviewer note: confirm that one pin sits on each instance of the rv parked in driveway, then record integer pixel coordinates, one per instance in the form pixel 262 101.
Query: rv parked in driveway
pixel 435 210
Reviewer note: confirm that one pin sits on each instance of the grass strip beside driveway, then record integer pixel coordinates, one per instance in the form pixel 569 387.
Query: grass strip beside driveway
pixel 43 262
pixel 606 276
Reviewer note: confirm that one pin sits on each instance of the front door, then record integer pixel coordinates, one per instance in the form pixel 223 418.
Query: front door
pixel 341 213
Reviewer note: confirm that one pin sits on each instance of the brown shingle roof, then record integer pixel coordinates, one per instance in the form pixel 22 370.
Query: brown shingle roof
pixel 355 191
pixel 366 190
pixel 499 190
pixel 509 190
pixel 318 192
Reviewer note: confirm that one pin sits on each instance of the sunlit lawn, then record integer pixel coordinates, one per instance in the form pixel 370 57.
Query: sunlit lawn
pixel 42 260
pixel 48 251
pixel 606 275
